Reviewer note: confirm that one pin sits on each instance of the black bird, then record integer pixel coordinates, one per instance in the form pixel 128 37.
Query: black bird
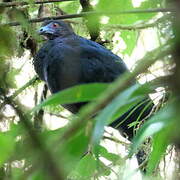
pixel 67 59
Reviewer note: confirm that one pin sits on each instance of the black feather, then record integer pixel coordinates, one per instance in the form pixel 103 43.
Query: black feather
pixel 67 59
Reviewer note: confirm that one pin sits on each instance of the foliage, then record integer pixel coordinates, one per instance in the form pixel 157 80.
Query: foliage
pixel 76 150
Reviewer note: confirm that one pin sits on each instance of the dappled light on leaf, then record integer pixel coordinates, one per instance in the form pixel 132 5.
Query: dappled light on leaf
pixel 7 42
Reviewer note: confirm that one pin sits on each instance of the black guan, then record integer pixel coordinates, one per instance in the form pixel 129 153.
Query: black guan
pixel 67 59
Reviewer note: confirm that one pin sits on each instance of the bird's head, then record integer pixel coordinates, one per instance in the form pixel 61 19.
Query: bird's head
pixel 52 29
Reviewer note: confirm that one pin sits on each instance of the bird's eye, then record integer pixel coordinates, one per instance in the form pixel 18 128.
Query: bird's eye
pixel 55 25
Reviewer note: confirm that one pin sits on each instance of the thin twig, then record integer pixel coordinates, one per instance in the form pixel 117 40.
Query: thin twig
pixel 58 115
pixel 29 83
pixel 38 118
pixel 12 4
pixel 116 140
pixel 20 90
pixel 85 14
pixel 140 25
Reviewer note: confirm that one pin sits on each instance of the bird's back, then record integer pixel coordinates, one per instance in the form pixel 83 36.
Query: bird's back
pixel 75 60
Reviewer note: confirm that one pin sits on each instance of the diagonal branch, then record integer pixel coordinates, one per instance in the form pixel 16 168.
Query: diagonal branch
pixel 85 14
pixel 12 4
pixel 142 25
pixel 20 90
pixel 29 83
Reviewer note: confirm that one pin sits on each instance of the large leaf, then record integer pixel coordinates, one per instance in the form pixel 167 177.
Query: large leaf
pixel 107 113
pixel 121 104
pixel 160 142
pixel 130 38
pixel 72 150
pixel 7 143
pixel 80 93
pixel 155 124
pixel 142 90
pixel 20 15
pixel 148 4
pixel 86 167
pixel 7 41
pixel 109 156
pixel 123 5
pixel 117 5
pixel 70 7
pixel 38 175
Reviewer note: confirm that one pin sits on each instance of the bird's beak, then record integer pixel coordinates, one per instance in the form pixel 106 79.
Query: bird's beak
pixel 45 30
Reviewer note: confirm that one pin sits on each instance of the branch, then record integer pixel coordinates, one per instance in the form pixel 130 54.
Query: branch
pixel 115 88
pixel 92 22
pixel 49 162
pixel 140 25
pixel 16 93
pixel 29 83
pixel 85 14
pixel 117 140
pixel 38 118
pixel 12 4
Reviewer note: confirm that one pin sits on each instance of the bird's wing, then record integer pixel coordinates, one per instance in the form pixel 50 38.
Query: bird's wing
pixel 59 68
pixel 83 61
pixel 100 64
pixel 39 60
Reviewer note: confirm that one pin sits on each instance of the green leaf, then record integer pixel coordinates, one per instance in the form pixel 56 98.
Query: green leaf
pixel 126 5
pixel 6 146
pixel 130 38
pixel 154 125
pixel 77 145
pixel 10 77
pixel 16 173
pixel 103 169
pixel 142 90
pixel 160 142
pixel 7 41
pixel 107 113
pixel 118 107
pixel 70 7
pixel 117 5
pixel 72 150
pixel 86 166
pixel 122 109
pixel 52 136
pixel 79 93
pixel 38 175
pixel 148 4
pixel 145 89
pixel 109 156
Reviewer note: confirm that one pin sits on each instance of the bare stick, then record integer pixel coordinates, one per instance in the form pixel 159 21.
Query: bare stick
pixel 84 14
pixel 12 4
pixel 140 25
